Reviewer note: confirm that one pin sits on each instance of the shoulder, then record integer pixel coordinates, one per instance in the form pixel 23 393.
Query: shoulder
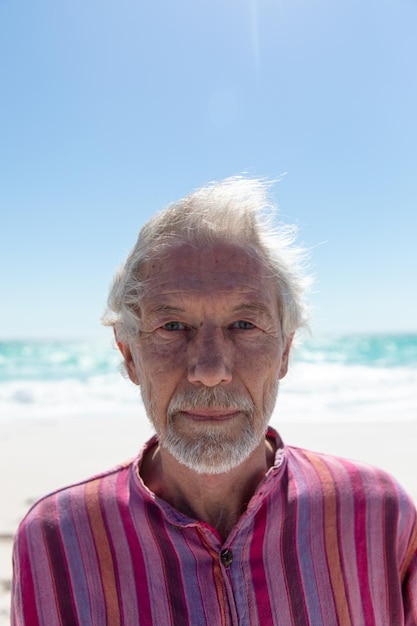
pixel 345 478
pixel 67 504
pixel 336 468
pixel 351 494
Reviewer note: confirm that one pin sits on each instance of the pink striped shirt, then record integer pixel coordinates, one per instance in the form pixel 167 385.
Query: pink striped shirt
pixel 324 541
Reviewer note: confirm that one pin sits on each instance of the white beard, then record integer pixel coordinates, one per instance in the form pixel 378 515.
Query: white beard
pixel 212 447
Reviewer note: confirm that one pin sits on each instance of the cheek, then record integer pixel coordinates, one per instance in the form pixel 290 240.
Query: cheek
pixel 162 358
pixel 259 365
pixel 261 351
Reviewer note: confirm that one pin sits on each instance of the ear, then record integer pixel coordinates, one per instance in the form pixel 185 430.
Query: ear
pixel 286 356
pixel 128 359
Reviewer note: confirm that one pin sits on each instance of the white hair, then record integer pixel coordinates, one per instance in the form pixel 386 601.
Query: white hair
pixel 234 210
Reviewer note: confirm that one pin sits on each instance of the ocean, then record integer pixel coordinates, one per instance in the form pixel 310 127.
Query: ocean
pixel 344 378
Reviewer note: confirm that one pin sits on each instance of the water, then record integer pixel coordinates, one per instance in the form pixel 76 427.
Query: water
pixel 347 378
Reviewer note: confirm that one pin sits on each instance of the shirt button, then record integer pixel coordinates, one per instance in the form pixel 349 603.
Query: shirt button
pixel 226 557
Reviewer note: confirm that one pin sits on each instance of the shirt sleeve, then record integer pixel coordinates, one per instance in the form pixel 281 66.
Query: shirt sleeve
pixel 409 581
pixel 16 614
pixel 27 585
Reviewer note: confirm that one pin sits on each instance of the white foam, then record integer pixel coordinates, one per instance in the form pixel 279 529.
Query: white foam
pixel 329 392
pixel 310 392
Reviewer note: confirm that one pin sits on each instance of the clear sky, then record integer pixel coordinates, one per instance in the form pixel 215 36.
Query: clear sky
pixel 112 109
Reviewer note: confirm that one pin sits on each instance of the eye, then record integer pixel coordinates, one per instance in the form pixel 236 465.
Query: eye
pixel 243 325
pixel 172 326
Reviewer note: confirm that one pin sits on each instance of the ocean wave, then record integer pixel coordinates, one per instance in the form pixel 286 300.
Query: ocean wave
pixel 328 392
pixel 83 360
pixel 99 395
pixel 386 350
pixel 309 392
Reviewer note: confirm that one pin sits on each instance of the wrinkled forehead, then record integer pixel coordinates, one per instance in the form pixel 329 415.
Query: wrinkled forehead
pixel 211 266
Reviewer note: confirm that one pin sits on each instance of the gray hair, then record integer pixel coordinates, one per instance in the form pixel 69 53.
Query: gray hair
pixel 234 210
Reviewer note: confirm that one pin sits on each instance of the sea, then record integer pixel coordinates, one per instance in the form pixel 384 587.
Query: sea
pixel 363 377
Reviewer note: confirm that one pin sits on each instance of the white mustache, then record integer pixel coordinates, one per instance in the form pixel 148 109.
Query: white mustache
pixel 208 398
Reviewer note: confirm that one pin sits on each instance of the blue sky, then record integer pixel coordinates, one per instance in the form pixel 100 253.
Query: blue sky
pixel 110 110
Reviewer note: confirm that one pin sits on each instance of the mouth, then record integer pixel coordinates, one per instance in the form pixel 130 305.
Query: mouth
pixel 212 415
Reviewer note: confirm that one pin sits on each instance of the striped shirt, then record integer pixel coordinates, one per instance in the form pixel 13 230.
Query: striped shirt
pixel 324 541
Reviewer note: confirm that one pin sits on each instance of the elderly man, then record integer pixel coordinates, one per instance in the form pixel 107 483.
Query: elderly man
pixel 216 522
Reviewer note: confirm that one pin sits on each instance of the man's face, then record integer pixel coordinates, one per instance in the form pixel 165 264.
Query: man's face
pixel 209 354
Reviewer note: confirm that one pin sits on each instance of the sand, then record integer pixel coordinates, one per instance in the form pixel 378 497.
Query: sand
pixel 38 457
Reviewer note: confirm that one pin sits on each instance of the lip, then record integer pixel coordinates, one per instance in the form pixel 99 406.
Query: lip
pixel 216 415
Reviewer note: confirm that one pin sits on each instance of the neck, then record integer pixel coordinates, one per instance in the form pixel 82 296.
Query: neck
pixel 216 499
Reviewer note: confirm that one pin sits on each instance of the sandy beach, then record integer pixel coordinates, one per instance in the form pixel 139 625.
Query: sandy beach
pixel 37 457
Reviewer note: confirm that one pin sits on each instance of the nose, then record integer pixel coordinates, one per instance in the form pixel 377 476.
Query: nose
pixel 210 359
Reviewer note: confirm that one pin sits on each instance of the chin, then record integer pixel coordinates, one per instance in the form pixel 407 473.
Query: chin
pixel 212 453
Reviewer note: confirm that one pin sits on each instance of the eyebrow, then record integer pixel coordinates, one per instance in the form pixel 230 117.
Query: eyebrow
pixel 257 307
pixel 253 307
pixel 165 308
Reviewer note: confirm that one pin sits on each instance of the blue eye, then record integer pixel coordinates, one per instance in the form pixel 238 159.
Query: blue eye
pixel 173 326
pixel 243 325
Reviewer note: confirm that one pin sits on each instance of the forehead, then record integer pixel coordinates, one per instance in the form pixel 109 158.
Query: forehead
pixel 223 268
